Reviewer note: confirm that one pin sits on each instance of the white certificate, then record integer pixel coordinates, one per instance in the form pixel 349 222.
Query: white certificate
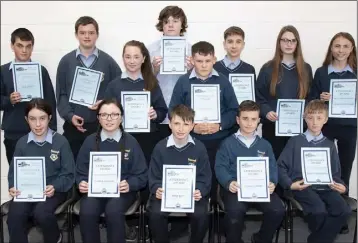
pixel 173 52
pixel 27 79
pixel 136 105
pixel 343 101
pixel 244 86
pixel 205 101
pixel 179 186
pixel 85 86
pixel 253 179
pixel 316 165
pixel 290 117
pixel 30 179
pixel 104 174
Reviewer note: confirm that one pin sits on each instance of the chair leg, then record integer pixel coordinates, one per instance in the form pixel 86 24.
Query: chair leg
pixel 210 228
pixel 355 233
pixel 286 224
pixel 291 223
pixel 218 224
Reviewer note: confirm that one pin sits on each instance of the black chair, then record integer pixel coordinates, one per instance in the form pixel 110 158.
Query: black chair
pixel 294 206
pixel 211 216
pixel 4 212
pixel 251 213
pixel 133 210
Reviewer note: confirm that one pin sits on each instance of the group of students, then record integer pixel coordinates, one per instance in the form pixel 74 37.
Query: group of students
pixel 174 138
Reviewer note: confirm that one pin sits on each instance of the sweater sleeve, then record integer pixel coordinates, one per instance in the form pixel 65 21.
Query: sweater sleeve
pixel 222 166
pixel 228 116
pixel 155 174
pixel 159 104
pixel 272 165
pixel 82 162
pixel 49 96
pixel 63 105
pixel 285 165
pixel 66 176
pixel 178 94
pixel 17 153
pixel 336 166
pixel 315 89
pixel 203 173
pixel 116 71
pixel 139 171
pixel 5 99
pixel 262 91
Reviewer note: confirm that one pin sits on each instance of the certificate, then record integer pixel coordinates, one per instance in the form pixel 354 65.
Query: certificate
pixel 244 86
pixel 27 79
pixel 85 86
pixel 173 52
pixel 179 186
pixel 136 105
pixel 316 166
pixel 343 101
pixel 290 117
pixel 205 101
pixel 104 174
pixel 253 179
pixel 30 179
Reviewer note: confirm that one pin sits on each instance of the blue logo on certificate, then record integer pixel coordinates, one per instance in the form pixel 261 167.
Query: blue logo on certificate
pixel 82 73
pixel 20 69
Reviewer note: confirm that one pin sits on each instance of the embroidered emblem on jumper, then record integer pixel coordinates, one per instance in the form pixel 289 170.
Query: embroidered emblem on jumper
pixel 191 161
pixel 260 154
pixel 126 154
pixel 54 155
pixel 102 76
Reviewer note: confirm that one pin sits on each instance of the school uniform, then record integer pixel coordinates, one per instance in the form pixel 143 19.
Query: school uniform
pixel 287 88
pixel 13 121
pixel 226 171
pixel 227 67
pixel 99 61
pixel 228 110
pixel 166 83
pixel 170 153
pixel 60 168
pixel 133 170
pixel 342 129
pixel 147 141
pixel 325 209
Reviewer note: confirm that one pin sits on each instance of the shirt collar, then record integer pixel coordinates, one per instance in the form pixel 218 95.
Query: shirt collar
pixel 227 61
pixel 331 69
pixel 239 134
pixel 194 75
pixel 48 137
pixel 116 136
pixel 14 61
pixel 171 141
pixel 310 137
pixel 95 52
pixel 125 75
pixel 289 64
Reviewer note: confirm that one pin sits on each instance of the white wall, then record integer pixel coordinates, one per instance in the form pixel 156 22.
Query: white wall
pixel 52 24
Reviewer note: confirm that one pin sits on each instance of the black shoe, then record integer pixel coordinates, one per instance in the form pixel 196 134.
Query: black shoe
pixel 344 230
pixel 131 233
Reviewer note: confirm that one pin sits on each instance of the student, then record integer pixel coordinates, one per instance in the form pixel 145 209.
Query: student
pixel 110 137
pixel 13 122
pixel 81 121
pixel 246 143
pixel 286 76
pixel 340 63
pixel 60 168
pixel 172 21
pixel 139 77
pixel 179 149
pixel 211 134
pixel 324 208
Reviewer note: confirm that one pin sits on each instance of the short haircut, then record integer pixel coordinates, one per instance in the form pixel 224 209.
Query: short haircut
pixel 23 34
pixel 248 105
pixel 40 104
pixel 184 112
pixel 175 12
pixel 234 30
pixel 85 20
pixel 203 48
pixel 316 106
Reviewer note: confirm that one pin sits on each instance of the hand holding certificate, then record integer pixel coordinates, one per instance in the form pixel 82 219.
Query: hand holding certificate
pixel 244 86
pixel 253 179
pixel 178 188
pixel 104 174
pixel 205 101
pixel 85 86
pixel 316 166
pixel 173 50
pixel 30 179
pixel 27 79
pixel 290 117
pixel 343 101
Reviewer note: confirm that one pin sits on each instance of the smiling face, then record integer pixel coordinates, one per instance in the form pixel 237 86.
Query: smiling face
pixel 87 36
pixel 133 59
pixel 38 121
pixel 109 117
pixel 341 48
pixel 180 128
pixel 248 122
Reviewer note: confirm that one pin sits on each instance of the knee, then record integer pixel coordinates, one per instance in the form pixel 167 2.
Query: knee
pixel 156 215
pixel 237 212
pixel 42 217
pixel 200 214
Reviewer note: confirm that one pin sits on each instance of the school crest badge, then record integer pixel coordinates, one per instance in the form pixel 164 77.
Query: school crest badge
pixel 54 155
pixel 126 154
pixel 260 154
pixel 191 161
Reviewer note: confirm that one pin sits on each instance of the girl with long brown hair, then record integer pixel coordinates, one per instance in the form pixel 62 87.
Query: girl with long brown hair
pixel 286 76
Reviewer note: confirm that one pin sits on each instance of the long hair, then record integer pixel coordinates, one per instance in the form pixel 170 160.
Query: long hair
pixel 98 133
pixel 150 81
pixel 303 79
pixel 352 59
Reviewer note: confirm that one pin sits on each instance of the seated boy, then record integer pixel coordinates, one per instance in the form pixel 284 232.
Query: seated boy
pixel 179 149
pixel 325 209
pixel 246 143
